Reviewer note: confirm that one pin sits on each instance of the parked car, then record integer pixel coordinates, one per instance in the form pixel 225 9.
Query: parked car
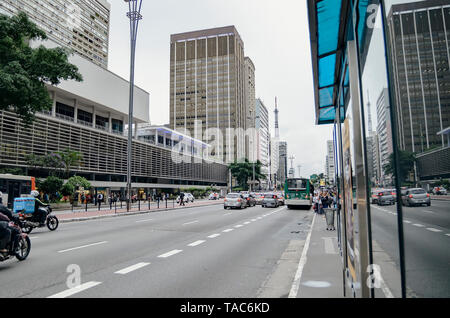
pixel 234 200
pixel 270 200
pixel 439 191
pixel 416 196
pixel 249 199
pixel 386 197
pixel 280 198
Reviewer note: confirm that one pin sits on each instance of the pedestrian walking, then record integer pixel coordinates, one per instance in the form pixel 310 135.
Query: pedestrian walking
pixel 181 198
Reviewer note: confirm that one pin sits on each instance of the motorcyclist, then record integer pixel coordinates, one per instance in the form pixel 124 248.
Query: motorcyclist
pixel 41 214
pixel 6 232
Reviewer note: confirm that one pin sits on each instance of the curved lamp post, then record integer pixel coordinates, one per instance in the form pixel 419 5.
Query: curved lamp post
pixel 134 14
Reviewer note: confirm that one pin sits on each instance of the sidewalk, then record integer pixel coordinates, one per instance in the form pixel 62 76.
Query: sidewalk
pixel 440 197
pixel 68 216
pixel 321 275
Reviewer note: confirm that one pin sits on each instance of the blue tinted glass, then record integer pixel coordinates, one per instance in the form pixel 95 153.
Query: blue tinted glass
pixel 326 70
pixel 327 114
pixel 326 96
pixel 328 14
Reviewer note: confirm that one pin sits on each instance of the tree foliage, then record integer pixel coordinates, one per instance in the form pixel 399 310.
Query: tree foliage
pixel 58 162
pixel 243 171
pixel 406 161
pixel 24 71
pixel 51 186
pixel 74 183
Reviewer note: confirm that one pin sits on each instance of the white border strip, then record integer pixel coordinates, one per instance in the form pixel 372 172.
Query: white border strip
pixel 78 247
pixel 298 275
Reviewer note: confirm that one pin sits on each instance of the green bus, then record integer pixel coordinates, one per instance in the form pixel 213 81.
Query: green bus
pixel 298 192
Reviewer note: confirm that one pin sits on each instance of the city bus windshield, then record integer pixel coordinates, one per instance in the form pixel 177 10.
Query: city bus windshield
pixel 296 184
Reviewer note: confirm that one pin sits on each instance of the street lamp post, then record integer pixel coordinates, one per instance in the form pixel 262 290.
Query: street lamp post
pixel 134 14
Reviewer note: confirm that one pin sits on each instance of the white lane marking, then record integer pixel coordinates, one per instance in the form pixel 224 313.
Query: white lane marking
pixel 426 211
pixel 146 220
pixel 448 234
pixel 83 246
pixel 196 243
pixel 246 223
pixel 386 291
pixel 237 226
pixel 34 237
pixel 298 275
pixel 190 222
pixel 329 246
pixel 433 229
pixel 253 220
pixel 418 225
pixel 227 213
pixel 227 230
pixel 214 235
pixel 168 254
pixel 72 291
pixel 406 221
pixel 131 268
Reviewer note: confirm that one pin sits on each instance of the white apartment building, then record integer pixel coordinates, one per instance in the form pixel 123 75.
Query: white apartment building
pixel 329 162
pixel 384 132
pixel 81 25
pixel 263 139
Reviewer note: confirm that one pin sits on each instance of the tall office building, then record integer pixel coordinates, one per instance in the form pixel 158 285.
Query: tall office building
pixel 329 161
pixel 282 168
pixel 384 133
pixel 207 84
pixel 81 25
pixel 263 138
pixel 420 41
pixel 250 100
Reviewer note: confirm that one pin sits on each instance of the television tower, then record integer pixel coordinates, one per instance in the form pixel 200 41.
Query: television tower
pixel 277 130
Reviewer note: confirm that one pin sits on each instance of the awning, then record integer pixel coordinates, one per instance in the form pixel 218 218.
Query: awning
pixel 329 30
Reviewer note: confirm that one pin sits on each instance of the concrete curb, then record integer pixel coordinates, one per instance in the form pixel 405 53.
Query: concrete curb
pixel 128 213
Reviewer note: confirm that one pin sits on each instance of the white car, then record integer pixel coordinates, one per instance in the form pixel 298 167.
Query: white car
pixel 187 198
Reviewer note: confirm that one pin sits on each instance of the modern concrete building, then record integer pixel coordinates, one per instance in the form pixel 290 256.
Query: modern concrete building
pixel 329 162
pixel 384 133
pixel 263 139
pixel 207 84
pixel 90 117
pixel 81 25
pixel 420 41
pixel 250 100
pixel 282 168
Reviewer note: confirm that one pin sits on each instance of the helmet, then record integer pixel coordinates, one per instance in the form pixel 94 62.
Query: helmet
pixel 34 193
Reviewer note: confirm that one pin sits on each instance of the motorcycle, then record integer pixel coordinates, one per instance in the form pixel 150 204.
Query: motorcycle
pixel 22 250
pixel 31 221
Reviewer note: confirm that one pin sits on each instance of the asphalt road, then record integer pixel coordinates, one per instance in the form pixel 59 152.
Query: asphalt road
pixel 197 252
pixel 427 246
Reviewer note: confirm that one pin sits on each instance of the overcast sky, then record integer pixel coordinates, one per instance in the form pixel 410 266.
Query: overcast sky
pixel 276 38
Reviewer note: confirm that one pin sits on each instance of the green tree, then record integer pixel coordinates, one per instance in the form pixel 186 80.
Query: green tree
pixel 51 185
pixel 69 158
pixel 243 171
pixel 406 161
pixel 73 184
pixel 24 71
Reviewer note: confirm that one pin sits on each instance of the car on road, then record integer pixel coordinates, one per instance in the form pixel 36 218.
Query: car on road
pixel 374 196
pixel 259 197
pixel 280 198
pixel 439 191
pixel 416 196
pixel 249 199
pixel 270 200
pixel 234 200
pixel 386 197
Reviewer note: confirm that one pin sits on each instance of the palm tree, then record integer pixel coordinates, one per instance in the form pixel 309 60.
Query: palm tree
pixel 68 159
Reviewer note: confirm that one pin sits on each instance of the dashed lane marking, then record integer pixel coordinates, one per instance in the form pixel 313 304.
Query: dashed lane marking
pixel 75 290
pixel 168 254
pixel 83 246
pixel 214 235
pixel 418 225
pixel 227 230
pixel 433 229
pixel 196 243
pixel 131 268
